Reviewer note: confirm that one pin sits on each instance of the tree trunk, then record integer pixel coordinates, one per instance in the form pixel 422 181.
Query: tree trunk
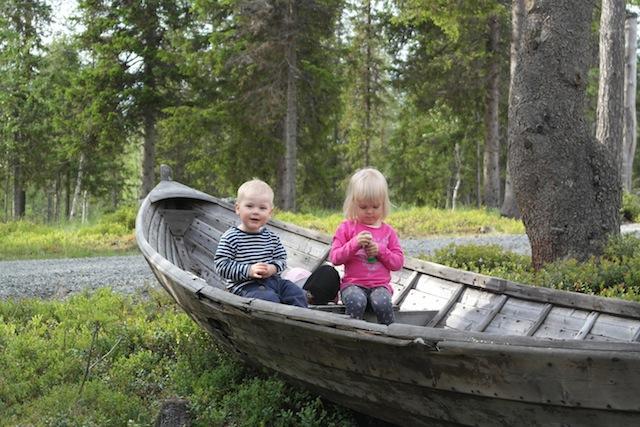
pixel 630 121
pixel 611 83
pixel 78 188
pixel 7 189
pixel 291 120
pixel 368 87
pixel 509 205
pixel 19 194
pixel 563 178
pixel 458 179
pixel 149 154
pixel 491 166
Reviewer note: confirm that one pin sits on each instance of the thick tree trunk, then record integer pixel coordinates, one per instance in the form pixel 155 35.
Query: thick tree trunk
pixel 630 122
pixel 491 166
pixel 509 205
pixel 563 178
pixel 611 83
pixel 75 201
pixel 288 189
pixel 149 154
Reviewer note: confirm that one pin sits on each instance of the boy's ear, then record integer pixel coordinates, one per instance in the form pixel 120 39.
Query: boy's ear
pixel 237 206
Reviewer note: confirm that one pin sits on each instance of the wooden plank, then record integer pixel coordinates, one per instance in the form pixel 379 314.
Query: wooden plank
pixel 447 307
pixel 532 293
pixel 613 328
pixel 178 219
pixel 491 314
pixel 588 324
pixel 540 320
pixel 183 254
pixel 636 335
pixel 562 323
pixel 402 291
pixel 515 318
pixel 204 242
pixel 152 234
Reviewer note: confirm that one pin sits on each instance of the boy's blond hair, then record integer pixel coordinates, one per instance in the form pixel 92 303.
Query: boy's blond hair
pixel 254 186
pixel 369 185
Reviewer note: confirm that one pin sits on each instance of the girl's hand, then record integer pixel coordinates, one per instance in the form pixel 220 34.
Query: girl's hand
pixel 372 249
pixel 364 239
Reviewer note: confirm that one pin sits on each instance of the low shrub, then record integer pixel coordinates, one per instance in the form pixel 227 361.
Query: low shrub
pixel 630 209
pixel 615 274
pixel 109 360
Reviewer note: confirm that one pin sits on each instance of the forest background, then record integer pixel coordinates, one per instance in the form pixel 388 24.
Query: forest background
pixel 297 93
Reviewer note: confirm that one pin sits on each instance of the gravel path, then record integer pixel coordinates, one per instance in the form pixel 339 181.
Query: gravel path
pixel 57 278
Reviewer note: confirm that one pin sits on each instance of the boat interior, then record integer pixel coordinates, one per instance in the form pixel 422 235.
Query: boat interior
pixel 187 232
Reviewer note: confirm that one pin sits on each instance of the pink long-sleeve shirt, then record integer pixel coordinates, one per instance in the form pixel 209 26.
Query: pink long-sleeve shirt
pixel 357 270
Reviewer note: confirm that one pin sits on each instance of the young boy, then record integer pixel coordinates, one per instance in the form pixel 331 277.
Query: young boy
pixel 250 256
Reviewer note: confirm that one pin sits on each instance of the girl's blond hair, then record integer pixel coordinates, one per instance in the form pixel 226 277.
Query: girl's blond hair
pixel 369 185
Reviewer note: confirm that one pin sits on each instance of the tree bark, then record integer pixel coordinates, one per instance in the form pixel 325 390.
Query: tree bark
pixel 149 154
pixel 611 82
pixel 458 176
pixel 19 194
pixel 563 178
pixel 630 83
pixel 75 201
pixel 509 205
pixel 291 120
pixel 491 165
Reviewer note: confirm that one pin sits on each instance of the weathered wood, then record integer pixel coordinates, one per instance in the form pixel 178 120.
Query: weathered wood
pixel 588 324
pixel 543 315
pixel 492 350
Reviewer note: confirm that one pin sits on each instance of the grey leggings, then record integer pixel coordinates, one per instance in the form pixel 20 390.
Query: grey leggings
pixel 355 300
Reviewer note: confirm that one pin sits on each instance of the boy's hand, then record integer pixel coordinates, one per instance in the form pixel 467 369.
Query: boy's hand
pixel 364 239
pixel 262 270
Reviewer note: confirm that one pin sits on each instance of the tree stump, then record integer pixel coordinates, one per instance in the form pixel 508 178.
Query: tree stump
pixel 174 413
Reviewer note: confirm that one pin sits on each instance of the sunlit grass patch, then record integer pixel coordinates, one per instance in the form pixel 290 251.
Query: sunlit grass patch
pixel 111 235
pixel 419 221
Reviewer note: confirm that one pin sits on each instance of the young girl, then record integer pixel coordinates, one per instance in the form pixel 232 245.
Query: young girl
pixel 368 247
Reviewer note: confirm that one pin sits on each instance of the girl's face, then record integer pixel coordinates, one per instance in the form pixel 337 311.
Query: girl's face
pixel 369 212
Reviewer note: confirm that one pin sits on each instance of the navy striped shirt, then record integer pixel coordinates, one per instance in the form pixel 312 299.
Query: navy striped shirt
pixel 239 250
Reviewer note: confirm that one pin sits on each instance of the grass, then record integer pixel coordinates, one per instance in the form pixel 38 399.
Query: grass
pixel 109 360
pixel 111 235
pixel 419 221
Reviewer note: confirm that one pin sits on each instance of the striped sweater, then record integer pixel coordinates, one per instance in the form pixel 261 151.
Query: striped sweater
pixel 238 250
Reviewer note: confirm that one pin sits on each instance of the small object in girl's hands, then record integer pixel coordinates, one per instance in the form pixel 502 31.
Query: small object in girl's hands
pixel 371 259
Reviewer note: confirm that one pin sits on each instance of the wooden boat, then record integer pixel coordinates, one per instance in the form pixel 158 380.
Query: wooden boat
pixel 466 348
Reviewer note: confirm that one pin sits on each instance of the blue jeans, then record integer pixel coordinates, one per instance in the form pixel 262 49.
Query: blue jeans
pixel 274 289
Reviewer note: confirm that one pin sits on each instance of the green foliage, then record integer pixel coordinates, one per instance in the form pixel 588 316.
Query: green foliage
pixel 630 209
pixel 111 235
pixel 108 360
pixel 418 221
pixel 615 274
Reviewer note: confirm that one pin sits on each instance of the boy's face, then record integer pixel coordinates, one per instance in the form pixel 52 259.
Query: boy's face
pixel 254 211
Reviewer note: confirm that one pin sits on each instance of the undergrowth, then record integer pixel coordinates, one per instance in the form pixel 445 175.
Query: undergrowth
pixel 615 274
pixel 109 360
